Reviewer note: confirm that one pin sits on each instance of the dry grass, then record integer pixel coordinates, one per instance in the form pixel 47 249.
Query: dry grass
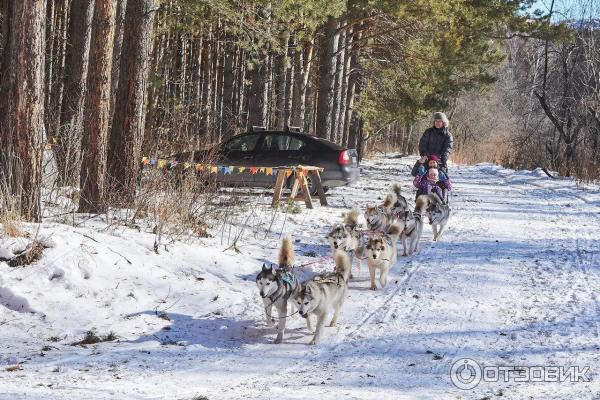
pixel 12 225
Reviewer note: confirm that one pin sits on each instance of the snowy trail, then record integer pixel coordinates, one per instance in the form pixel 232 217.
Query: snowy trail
pixel 513 281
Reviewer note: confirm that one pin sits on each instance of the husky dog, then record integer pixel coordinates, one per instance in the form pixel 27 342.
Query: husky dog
pixel 437 210
pixel 345 237
pixel 318 295
pixel 411 232
pixel 438 218
pixel 380 217
pixel 381 254
pixel 277 286
pixel 400 206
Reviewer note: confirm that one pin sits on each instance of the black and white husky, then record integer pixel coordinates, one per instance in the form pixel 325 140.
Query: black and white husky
pixel 411 232
pixel 277 286
pixel 323 293
pixel 437 211
pixel 400 205
pixel 346 237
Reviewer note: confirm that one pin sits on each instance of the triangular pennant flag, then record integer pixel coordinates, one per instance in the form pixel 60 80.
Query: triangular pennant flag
pixel 162 164
pixel 199 167
pixel 241 169
pixel 228 170
pixel 253 170
pixel 288 173
pixel 214 169
pixel 261 170
pixel 153 162
pixel 269 171
pixel 187 165
pixel 145 160
pixel 173 164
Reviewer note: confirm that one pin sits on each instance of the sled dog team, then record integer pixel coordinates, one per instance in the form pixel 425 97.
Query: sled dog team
pixel 386 223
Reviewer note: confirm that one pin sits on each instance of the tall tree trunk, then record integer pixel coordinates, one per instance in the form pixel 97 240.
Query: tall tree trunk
pixel 327 68
pixel 296 117
pixel 22 128
pixel 280 62
pixel 127 132
pixel 228 114
pixel 343 94
pixel 68 148
pixel 97 108
pixel 257 95
pixel 55 57
pixel 117 51
pixel 354 77
pixel 337 91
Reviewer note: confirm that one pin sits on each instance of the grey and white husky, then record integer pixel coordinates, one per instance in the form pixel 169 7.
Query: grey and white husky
pixel 438 218
pixel 379 218
pixel 437 211
pixel 346 237
pixel 381 254
pixel 411 232
pixel 277 286
pixel 323 293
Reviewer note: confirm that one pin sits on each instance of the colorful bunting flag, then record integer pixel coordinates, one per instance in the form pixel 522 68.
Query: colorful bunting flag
pixel 253 170
pixel 162 164
pixel 269 171
pixel 214 169
pixel 241 169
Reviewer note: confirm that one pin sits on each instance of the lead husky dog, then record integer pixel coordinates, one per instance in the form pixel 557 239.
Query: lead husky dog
pixel 437 211
pixel 322 293
pixel 277 286
pixel 381 254
pixel 411 232
pixel 346 237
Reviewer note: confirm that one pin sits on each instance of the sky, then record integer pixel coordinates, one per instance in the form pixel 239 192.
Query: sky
pixel 571 9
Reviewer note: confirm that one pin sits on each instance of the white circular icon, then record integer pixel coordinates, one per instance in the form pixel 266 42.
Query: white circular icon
pixel 465 373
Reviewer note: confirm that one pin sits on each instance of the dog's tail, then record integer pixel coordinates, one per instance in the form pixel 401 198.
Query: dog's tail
pixel 351 219
pixel 343 265
pixel 390 200
pixel 286 253
pixel 396 188
pixel 394 231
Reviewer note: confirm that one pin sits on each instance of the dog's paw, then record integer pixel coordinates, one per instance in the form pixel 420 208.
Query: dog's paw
pixel 373 287
pixel 332 324
pixel 313 342
pixel 278 340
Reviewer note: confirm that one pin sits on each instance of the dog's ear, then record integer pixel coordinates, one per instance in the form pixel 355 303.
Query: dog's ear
pixel 266 269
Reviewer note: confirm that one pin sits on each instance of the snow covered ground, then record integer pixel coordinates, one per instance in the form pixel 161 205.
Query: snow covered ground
pixel 513 282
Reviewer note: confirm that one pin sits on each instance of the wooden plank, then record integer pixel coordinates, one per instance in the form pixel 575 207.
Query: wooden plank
pixel 278 188
pixel 305 191
pixel 295 188
pixel 317 182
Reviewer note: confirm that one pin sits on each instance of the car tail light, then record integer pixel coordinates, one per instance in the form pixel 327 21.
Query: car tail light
pixel 344 158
